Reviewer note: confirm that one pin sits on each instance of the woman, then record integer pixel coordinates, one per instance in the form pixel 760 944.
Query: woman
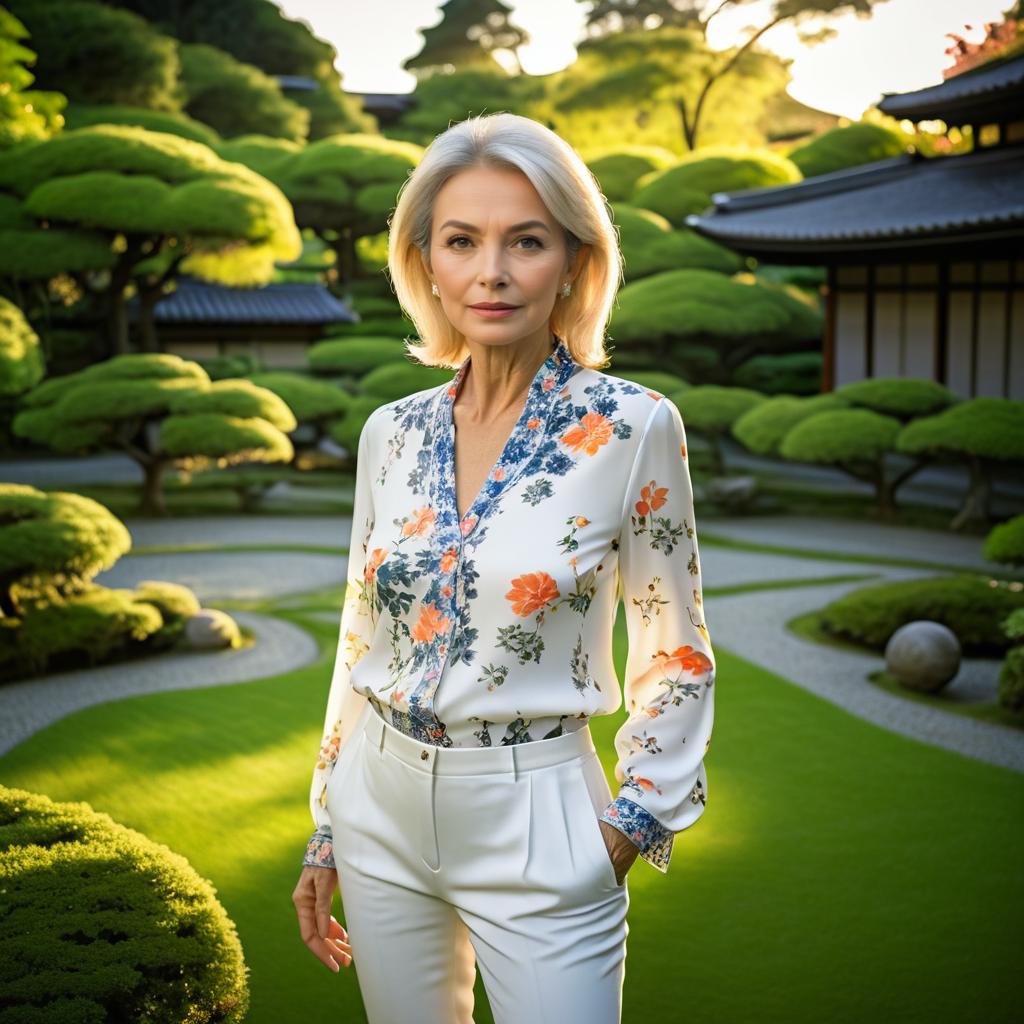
pixel 498 518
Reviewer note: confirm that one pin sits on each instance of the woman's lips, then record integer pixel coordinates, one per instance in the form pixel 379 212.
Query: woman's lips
pixel 495 314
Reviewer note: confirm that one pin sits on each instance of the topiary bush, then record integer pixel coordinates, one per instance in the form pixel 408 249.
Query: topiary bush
pixel 1005 542
pixel 392 327
pixel 972 606
pixel 650 245
pixel 52 545
pixel 102 925
pixel 855 441
pixel 788 373
pixel 762 428
pixel 1011 675
pixel 176 604
pixel 346 431
pixel 902 397
pixel 983 434
pixel 160 410
pixel 398 380
pixel 619 170
pixel 354 356
pixel 710 411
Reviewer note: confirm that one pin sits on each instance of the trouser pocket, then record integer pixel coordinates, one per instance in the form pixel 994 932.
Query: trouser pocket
pixel 597 797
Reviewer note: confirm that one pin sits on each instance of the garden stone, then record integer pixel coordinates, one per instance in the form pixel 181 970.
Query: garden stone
pixel 923 655
pixel 211 628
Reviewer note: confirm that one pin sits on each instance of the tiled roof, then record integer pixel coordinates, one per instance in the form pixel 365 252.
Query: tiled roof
pixel 197 301
pixel 982 95
pixel 895 202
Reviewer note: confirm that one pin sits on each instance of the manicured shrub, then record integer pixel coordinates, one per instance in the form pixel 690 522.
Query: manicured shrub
pixel 788 373
pixel 1005 542
pixel 902 397
pixel 398 380
pixel 973 606
pixel 1011 675
pixel 710 411
pixel 356 355
pixel 855 441
pixel 983 434
pixel 391 327
pixel 762 428
pixel 346 431
pixel 102 924
pixel 1011 680
pixel 650 244
pixel 619 170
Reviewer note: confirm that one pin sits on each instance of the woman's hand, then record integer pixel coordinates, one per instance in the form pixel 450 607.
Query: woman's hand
pixel 320 931
pixel 621 849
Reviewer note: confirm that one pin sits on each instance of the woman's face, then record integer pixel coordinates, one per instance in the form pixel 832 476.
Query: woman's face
pixel 481 250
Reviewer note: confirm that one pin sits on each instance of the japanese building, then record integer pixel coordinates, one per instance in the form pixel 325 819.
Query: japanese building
pixel 924 255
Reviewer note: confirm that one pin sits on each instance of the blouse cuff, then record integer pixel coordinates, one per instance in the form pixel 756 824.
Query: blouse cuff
pixel 650 836
pixel 320 851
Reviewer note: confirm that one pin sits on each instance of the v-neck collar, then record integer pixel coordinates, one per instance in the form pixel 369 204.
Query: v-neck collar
pixel 531 426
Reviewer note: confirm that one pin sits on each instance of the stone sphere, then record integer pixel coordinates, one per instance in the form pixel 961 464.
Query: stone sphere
pixel 923 655
pixel 211 628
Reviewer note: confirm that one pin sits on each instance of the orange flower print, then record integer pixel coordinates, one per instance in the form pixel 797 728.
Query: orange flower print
pixel 581 521
pixel 499 473
pixel 373 563
pixel 549 382
pixel 430 623
pixel 682 449
pixel 421 523
pixel 448 560
pixel 591 434
pixel 652 497
pixel 683 659
pixel 645 784
pixel 468 523
pixel 533 423
pixel 531 591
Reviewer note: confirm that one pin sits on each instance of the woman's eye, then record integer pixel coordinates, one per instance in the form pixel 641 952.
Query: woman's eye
pixel 457 238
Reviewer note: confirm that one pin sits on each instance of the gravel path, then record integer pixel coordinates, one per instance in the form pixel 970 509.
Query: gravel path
pixel 26 707
pixel 747 624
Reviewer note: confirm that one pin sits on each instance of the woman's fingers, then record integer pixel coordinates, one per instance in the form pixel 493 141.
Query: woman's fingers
pixel 324 936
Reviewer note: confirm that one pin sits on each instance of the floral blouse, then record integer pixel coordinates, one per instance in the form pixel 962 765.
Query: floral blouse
pixel 496 627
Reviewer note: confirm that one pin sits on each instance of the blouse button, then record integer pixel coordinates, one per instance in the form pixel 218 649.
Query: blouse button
pixel 425 755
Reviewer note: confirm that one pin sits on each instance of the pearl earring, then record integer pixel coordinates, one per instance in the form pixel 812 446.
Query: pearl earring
pixel 566 289
pixel 433 288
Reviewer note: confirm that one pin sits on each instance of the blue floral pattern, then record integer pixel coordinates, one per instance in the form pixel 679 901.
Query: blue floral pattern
pixel 495 626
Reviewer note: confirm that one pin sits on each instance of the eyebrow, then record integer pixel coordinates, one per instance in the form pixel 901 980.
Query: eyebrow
pixel 515 227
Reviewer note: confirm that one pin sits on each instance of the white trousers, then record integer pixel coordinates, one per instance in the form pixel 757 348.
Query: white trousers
pixel 453 856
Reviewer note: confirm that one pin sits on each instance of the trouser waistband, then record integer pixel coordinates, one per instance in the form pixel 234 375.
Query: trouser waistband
pixel 437 760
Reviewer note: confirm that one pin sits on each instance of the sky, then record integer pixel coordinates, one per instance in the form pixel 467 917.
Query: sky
pixel 898 49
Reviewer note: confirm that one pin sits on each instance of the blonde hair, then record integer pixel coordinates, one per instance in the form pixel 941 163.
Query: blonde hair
pixel 571 194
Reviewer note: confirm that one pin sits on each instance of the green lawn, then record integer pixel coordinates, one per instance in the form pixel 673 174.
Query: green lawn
pixel 840 872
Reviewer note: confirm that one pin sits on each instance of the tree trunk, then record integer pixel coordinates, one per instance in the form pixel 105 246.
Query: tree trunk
pixel 147 322
pixel 152 503
pixel 120 277
pixel 977 503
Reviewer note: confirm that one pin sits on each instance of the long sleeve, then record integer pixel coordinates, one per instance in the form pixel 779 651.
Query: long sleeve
pixel 670 667
pixel 344 704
